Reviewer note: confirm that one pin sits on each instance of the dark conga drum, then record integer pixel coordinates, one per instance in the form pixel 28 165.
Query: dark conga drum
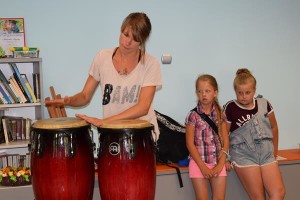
pixel 62 160
pixel 126 161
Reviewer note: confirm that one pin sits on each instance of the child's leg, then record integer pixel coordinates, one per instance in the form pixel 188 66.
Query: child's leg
pixel 273 181
pixel 251 179
pixel 218 187
pixel 201 188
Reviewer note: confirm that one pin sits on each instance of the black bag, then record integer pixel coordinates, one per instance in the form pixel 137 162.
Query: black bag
pixel 171 146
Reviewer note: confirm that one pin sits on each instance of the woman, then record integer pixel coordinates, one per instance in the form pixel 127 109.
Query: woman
pixel 127 74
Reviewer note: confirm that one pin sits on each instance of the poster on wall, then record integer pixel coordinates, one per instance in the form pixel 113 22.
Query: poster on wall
pixel 12 34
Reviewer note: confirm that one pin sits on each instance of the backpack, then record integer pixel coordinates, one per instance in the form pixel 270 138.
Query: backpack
pixel 171 145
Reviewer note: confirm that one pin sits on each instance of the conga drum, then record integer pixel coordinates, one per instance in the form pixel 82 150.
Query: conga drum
pixel 126 160
pixel 62 160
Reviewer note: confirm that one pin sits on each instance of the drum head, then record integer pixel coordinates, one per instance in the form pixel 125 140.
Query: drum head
pixel 60 123
pixel 121 124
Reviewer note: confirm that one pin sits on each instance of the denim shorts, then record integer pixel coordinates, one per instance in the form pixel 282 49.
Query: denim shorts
pixel 243 156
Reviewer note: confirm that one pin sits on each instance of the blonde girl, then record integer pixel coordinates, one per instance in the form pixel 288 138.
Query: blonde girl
pixel 253 140
pixel 206 166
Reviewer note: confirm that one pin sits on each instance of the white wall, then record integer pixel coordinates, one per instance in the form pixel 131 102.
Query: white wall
pixel 215 37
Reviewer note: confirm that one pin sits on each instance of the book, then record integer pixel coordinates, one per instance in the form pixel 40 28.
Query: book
pixel 19 79
pixel 23 129
pixel 2 98
pixel 19 84
pixel 6 85
pixel 36 86
pixel 4 161
pixel 29 87
pixel 5 129
pixel 2 137
pixel 10 127
pixel 16 93
pixel 28 129
pixel 19 129
pixel 15 85
pixel 8 100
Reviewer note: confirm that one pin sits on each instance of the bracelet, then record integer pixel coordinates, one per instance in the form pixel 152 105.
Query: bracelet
pixel 227 155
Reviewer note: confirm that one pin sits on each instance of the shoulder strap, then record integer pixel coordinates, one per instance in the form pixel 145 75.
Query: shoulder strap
pixel 208 120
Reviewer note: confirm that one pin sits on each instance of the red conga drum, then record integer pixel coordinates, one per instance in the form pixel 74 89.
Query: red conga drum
pixel 126 161
pixel 62 160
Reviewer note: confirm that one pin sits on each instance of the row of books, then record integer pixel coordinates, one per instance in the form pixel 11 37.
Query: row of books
pixel 14 160
pixel 14 129
pixel 17 89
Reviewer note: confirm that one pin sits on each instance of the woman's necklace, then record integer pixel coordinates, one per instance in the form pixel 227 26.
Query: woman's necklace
pixel 121 69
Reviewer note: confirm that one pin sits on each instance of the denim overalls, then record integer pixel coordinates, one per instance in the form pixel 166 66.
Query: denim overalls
pixel 251 144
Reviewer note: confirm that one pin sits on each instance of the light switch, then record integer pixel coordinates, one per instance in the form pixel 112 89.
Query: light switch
pixel 166 59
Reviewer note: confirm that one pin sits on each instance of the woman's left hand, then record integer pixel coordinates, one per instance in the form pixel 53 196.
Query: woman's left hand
pixel 92 120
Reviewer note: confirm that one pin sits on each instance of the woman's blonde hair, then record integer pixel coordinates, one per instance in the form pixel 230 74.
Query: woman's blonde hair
pixel 140 25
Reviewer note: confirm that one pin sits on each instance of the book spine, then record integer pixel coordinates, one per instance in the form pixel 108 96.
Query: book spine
pixel 36 86
pixel 2 99
pixel 7 87
pixel 21 88
pixel 29 87
pixel 5 129
pixel 19 129
pixel 16 93
pixel 5 95
pixel 18 76
pixel 2 136
pixel 17 89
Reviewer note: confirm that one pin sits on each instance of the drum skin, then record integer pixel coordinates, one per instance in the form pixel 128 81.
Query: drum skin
pixel 62 164
pixel 126 164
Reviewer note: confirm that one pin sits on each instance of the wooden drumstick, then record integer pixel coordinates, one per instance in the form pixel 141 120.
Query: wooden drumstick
pixel 52 91
pixel 51 109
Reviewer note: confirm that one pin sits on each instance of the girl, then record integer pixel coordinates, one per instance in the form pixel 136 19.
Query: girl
pixel 204 144
pixel 253 140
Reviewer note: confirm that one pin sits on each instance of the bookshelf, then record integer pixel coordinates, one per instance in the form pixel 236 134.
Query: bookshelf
pixel 33 111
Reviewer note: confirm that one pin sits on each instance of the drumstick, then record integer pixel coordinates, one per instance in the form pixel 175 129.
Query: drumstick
pixel 51 109
pixel 62 108
pixel 52 91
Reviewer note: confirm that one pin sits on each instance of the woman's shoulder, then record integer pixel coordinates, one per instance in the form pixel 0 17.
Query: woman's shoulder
pixel 104 52
pixel 150 58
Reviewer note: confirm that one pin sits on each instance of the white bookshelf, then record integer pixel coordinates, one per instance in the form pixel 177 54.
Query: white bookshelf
pixel 34 111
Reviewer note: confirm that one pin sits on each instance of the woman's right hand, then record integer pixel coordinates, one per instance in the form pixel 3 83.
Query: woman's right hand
pixel 59 102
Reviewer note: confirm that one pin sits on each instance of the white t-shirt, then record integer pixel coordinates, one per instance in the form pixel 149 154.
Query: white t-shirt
pixel 120 92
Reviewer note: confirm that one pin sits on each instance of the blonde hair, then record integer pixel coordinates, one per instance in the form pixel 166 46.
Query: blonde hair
pixel 243 75
pixel 213 82
pixel 140 25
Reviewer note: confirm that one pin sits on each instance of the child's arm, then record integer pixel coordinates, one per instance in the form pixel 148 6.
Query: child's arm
pixel 228 163
pixel 190 133
pixel 224 153
pixel 274 127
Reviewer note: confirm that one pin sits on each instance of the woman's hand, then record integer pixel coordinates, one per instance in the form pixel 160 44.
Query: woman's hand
pixel 58 102
pixel 92 120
